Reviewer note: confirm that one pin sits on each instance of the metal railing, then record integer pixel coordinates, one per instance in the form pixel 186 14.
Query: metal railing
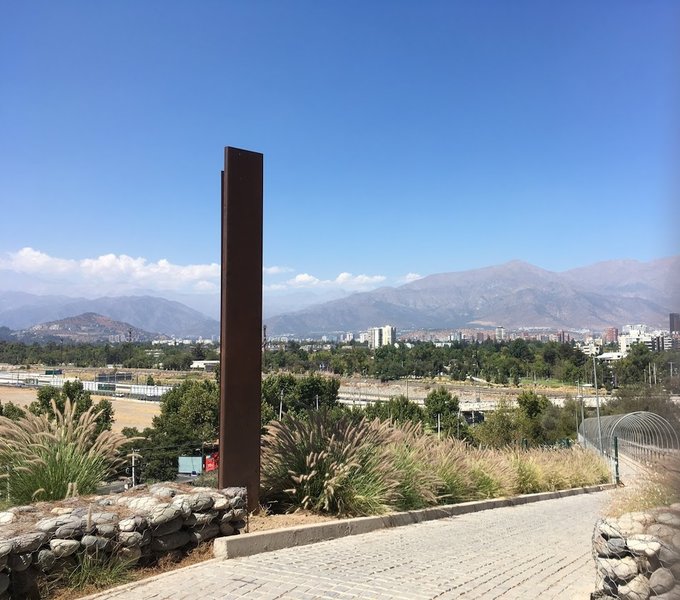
pixel 643 436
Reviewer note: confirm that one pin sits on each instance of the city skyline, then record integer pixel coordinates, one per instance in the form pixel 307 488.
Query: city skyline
pixel 398 142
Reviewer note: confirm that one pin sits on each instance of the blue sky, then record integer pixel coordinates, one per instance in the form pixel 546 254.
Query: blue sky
pixel 400 139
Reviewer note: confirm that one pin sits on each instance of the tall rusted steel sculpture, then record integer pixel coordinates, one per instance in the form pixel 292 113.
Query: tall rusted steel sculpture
pixel 241 322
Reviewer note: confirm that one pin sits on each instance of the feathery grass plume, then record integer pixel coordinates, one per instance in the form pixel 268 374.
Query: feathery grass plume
pixel 528 474
pixel 491 473
pixel 326 464
pixel 450 465
pixel 53 459
pixel 562 468
pixel 412 454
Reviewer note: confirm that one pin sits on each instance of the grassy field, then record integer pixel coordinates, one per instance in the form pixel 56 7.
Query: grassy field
pixel 127 412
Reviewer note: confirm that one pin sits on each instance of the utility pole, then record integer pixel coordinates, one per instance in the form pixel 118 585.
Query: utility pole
pixel 281 406
pixel 134 453
pixel 597 404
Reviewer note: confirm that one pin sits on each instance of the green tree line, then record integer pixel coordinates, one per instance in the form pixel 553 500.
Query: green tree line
pixel 129 354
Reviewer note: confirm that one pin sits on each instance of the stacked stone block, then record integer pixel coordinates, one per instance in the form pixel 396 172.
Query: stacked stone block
pixel 638 556
pixel 140 526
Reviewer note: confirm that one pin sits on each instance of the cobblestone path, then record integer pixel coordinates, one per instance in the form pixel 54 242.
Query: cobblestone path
pixel 533 551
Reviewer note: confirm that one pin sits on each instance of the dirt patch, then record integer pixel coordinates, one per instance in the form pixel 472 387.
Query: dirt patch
pixel 263 522
pixel 127 412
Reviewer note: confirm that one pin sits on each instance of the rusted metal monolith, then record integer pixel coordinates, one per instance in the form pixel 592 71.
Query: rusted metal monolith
pixel 241 322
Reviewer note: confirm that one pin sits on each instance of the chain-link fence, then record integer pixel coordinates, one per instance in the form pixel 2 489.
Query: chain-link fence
pixel 643 436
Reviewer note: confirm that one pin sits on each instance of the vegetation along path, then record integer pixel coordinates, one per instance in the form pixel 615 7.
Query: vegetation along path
pixel 540 550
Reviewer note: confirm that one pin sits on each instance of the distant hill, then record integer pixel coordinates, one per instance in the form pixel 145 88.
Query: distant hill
pixel 85 328
pixel 19 310
pixel 515 294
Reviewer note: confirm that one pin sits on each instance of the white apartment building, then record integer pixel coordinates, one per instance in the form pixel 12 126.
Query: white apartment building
pixel 381 336
pixel 638 334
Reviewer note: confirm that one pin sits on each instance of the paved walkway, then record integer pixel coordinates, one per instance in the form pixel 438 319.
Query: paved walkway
pixel 532 551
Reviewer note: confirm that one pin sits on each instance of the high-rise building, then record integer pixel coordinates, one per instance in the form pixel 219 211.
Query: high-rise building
pixel 389 335
pixel 375 337
pixel 610 335
pixel 500 334
pixel 382 336
pixel 674 342
pixel 674 323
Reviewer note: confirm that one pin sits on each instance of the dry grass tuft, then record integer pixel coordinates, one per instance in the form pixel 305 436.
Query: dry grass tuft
pixel 658 485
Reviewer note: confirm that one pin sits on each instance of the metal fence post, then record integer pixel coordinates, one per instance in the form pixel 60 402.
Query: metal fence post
pixel 616 460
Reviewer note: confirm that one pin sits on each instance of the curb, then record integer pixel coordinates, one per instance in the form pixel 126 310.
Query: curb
pixel 276 539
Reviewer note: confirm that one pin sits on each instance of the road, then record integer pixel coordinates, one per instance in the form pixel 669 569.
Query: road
pixel 540 550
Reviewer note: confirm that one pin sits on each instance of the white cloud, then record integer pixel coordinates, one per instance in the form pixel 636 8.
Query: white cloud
pixel 359 280
pixel 206 287
pixel 276 270
pixel 411 277
pixel 344 280
pixel 304 280
pixel 118 274
pixel 114 272
pixel 28 260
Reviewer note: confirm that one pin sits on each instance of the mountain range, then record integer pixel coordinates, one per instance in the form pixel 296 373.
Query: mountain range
pixel 515 294
pixel 85 328
pixel 19 310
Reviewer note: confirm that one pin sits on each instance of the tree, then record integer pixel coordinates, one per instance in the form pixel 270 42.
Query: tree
pixel 12 411
pixel 633 368
pixel 189 418
pixel 641 397
pixel 399 409
pixel 81 400
pixel 300 394
pixel 531 404
pixel 440 404
pixel 500 427
pixel 532 409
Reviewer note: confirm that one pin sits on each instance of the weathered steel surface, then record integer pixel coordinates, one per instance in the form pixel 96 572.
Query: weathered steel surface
pixel 241 322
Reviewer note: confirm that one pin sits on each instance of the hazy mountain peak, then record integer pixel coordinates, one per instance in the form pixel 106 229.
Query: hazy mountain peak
pixel 513 294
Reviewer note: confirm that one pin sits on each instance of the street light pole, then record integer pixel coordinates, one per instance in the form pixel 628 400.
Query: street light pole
pixel 597 405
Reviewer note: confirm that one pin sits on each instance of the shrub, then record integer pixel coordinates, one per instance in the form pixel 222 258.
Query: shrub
pixel 333 463
pixel 326 464
pixel 411 452
pixel 527 473
pixel 448 462
pixel 51 459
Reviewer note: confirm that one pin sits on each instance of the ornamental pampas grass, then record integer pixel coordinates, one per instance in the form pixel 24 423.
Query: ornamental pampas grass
pixel 52 459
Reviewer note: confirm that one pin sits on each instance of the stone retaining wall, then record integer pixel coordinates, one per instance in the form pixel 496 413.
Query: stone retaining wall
pixel 638 555
pixel 139 526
